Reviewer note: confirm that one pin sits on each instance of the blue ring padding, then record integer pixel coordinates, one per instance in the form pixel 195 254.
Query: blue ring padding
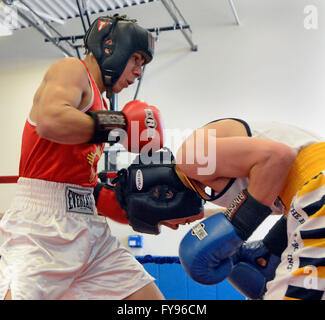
pixel 157 259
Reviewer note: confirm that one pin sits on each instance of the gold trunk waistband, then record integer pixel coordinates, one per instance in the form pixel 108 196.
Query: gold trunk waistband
pixel 310 162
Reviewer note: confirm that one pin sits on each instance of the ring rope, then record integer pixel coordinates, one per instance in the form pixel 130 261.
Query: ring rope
pixel 8 179
pixel 157 259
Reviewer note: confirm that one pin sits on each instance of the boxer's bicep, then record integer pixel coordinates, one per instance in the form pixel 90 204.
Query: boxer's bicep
pixel 63 85
pixel 58 118
pixel 56 95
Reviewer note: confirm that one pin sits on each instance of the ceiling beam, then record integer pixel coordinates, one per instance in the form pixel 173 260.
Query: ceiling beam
pixel 179 21
pixel 44 33
pixel 234 11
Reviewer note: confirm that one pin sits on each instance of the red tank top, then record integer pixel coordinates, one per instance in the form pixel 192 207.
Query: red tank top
pixel 47 160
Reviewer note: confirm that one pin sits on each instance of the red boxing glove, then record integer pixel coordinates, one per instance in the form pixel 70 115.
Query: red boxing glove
pixel 144 127
pixel 107 204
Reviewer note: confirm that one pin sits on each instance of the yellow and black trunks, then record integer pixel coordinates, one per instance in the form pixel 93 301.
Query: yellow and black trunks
pixel 309 163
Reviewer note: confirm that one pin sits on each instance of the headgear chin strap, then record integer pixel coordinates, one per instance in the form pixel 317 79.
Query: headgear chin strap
pixel 113 40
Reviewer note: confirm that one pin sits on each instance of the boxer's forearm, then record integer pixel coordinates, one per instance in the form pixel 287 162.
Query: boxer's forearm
pixel 267 177
pixel 66 125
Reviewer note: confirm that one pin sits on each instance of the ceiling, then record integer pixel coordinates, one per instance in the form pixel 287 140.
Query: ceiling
pixel 46 15
pixel 59 11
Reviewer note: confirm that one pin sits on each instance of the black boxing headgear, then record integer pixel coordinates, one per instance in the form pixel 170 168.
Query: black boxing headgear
pixel 113 40
pixel 152 193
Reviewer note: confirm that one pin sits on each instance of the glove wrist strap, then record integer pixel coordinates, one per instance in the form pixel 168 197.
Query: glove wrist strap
pixel 246 214
pixel 106 121
pixel 277 240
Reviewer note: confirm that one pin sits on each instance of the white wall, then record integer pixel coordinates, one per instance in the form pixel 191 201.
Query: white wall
pixel 270 67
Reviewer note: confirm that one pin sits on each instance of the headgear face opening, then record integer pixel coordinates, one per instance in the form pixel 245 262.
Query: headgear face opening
pixel 113 40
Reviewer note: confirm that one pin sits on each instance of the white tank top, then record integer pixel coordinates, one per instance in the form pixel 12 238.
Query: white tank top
pixel 290 135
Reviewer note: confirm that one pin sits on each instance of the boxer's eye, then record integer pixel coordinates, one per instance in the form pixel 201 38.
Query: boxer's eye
pixel 169 194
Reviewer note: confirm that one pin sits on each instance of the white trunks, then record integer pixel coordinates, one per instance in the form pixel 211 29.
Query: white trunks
pixel 55 246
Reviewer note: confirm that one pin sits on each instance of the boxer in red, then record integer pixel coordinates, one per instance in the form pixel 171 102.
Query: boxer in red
pixel 56 245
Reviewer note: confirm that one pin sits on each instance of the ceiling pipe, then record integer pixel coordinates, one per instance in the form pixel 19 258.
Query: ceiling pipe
pixel 176 20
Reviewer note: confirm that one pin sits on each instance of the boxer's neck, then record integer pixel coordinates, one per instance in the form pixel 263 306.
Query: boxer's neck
pixel 95 72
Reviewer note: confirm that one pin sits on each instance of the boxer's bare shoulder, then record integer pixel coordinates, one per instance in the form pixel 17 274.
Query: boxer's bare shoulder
pixel 226 128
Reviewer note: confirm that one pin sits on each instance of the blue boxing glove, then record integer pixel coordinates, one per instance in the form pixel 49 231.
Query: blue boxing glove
pixel 205 252
pixel 249 275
